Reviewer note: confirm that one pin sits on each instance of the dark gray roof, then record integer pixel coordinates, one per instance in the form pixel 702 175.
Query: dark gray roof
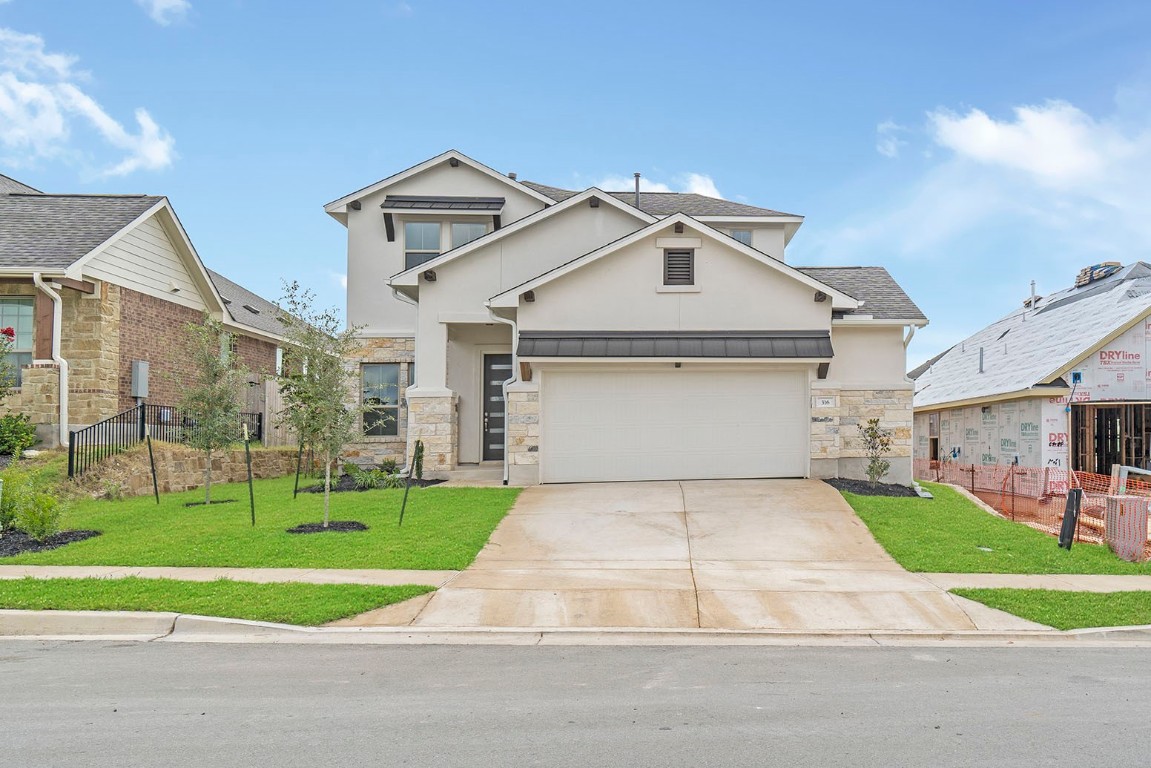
pixel 716 344
pixel 882 297
pixel 919 370
pixel 668 203
pixel 50 232
pixel 442 202
pixel 240 303
pixel 9 185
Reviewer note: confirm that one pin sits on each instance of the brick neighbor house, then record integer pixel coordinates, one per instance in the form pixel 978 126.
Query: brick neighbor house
pixel 91 283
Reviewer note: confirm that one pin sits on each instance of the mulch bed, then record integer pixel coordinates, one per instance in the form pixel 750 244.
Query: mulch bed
pixel 865 488
pixel 334 526
pixel 18 542
pixel 214 503
pixel 347 483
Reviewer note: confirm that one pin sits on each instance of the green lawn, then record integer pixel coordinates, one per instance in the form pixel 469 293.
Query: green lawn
pixel 285 603
pixel 444 528
pixel 949 534
pixel 1068 610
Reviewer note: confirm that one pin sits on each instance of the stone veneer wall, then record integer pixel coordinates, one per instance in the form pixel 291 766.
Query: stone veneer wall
pixel 523 408
pixel 836 447
pixel 435 421
pixel 373 450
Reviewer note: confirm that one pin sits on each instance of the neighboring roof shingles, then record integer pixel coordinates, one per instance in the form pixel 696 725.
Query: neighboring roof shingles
pixel 726 344
pixel 237 296
pixel 882 297
pixel 1025 348
pixel 668 203
pixel 50 232
pixel 9 185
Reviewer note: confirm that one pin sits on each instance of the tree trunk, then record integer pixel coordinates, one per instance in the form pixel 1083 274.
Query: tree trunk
pixel 327 486
pixel 208 480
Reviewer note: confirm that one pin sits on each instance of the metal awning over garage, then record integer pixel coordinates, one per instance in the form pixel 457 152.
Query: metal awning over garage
pixel 765 345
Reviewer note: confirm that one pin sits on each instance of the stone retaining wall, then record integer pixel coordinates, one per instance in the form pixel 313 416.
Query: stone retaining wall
pixel 182 469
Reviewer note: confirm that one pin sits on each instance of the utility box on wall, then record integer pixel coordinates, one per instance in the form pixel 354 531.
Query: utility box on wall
pixel 139 378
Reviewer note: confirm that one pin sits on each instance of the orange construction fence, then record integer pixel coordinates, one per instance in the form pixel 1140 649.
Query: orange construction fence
pixel 1034 496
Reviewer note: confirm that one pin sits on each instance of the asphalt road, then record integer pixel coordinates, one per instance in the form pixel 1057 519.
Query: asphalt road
pixel 128 704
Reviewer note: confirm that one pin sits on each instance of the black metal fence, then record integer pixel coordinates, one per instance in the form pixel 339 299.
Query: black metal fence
pixel 89 446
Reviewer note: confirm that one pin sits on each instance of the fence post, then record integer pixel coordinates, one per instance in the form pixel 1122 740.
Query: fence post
pixel 71 455
pixel 143 420
pixel 259 427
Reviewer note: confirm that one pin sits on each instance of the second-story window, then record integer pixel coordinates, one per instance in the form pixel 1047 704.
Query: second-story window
pixel 463 232
pixel 742 235
pixel 421 242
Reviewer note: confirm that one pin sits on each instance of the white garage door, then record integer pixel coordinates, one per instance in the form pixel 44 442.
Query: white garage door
pixel 672 424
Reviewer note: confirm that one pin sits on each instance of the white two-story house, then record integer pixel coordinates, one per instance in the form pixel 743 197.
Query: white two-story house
pixel 595 336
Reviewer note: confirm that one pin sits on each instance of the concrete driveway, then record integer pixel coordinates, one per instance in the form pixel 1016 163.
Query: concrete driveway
pixel 729 554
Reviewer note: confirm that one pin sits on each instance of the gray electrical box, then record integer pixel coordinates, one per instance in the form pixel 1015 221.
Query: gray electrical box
pixel 139 378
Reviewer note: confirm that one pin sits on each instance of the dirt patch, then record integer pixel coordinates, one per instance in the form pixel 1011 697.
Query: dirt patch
pixel 865 488
pixel 18 542
pixel 214 503
pixel 334 526
pixel 347 483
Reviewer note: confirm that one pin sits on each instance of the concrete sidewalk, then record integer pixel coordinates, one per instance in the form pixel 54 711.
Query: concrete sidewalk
pixel 381 578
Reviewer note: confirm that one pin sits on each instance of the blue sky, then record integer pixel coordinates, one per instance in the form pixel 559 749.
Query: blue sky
pixel 968 147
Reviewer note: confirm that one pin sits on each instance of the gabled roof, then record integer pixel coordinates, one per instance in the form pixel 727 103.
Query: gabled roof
pixel 510 297
pixel 339 207
pixel 882 297
pixel 667 203
pixel 9 185
pixel 1032 348
pixel 51 232
pixel 410 277
pixel 247 308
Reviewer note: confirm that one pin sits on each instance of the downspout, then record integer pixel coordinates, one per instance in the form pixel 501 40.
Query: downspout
pixel 57 320
pixel 407 432
pixel 514 377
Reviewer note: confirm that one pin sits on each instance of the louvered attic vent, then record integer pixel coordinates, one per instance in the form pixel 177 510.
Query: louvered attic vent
pixel 251 309
pixel 679 267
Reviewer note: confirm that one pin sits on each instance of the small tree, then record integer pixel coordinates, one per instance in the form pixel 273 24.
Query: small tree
pixel 211 398
pixel 876 444
pixel 318 379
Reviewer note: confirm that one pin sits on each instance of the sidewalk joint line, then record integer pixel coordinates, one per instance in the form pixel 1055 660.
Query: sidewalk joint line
pixel 690 559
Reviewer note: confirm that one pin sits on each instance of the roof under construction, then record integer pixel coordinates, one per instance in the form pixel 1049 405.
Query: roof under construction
pixel 1032 346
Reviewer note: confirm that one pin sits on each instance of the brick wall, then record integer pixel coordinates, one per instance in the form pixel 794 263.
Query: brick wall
pixel 153 329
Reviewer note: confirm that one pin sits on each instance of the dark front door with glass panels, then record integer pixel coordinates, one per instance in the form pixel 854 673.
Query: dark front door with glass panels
pixel 497 370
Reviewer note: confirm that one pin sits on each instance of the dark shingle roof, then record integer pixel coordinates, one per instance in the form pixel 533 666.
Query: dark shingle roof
pixel 45 232
pixel 727 344
pixel 9 185
pixel 919 370
pixel 240 302
pixel 668 203
pixel 442 203
pixel 882 297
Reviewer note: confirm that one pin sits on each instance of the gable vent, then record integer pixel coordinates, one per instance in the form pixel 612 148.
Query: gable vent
pixel 679 267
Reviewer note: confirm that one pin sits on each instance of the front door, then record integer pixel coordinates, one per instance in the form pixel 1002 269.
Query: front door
pixel 497 370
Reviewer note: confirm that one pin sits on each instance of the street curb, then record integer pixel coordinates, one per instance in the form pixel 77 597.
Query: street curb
pixel 172 627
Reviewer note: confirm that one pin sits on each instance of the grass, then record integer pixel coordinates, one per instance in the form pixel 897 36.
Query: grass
pixel 949 534
pixel 1068 610
pixel 444 529
pixel 284 603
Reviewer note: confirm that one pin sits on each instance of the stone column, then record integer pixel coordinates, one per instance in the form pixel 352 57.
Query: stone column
pixel 432 418
pixel 523 408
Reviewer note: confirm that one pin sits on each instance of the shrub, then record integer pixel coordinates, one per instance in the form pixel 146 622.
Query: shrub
pixel 39 516
pixel 876 445
pixel 394 481
pixel 17 433
pixel 351 468
pixel 388 466
pixel 368 479
pixel 17 485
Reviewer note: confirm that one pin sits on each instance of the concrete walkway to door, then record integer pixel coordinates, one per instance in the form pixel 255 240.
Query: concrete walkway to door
pixel 728 554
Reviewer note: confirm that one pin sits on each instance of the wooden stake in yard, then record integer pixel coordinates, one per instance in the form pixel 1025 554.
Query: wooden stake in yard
pixel 152 461
pixel 299 459
pixel 407 487
pixel 251 488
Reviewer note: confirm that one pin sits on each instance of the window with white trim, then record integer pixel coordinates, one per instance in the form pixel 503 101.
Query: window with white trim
pixel 16 313
pixel 463 232
pixel 421 242
pixel 381 398
pixel 679 267
pixel 742 235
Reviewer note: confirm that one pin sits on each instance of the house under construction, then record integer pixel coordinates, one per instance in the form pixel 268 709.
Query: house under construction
pixel 1061 382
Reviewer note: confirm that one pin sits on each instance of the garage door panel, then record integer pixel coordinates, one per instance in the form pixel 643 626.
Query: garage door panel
pixel 669 424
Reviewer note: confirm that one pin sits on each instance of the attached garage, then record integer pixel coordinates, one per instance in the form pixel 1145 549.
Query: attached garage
pixel 659 422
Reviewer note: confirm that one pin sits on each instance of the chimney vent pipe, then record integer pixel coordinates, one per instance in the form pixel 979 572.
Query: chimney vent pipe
pixel 637 189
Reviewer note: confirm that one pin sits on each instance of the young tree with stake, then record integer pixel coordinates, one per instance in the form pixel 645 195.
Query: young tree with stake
pixel 318 380
pixel 211 398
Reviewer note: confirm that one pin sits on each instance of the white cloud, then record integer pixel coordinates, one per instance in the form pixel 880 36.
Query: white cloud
pixel 165 12
pixel 887 141
pixel 339 279
pixel 401 10
pixel 697 183
pixel 42 105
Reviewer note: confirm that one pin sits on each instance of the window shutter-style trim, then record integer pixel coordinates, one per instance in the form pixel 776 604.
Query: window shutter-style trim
pixel 679 267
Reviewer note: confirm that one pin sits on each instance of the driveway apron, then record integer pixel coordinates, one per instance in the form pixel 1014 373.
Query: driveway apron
pixel 722 554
